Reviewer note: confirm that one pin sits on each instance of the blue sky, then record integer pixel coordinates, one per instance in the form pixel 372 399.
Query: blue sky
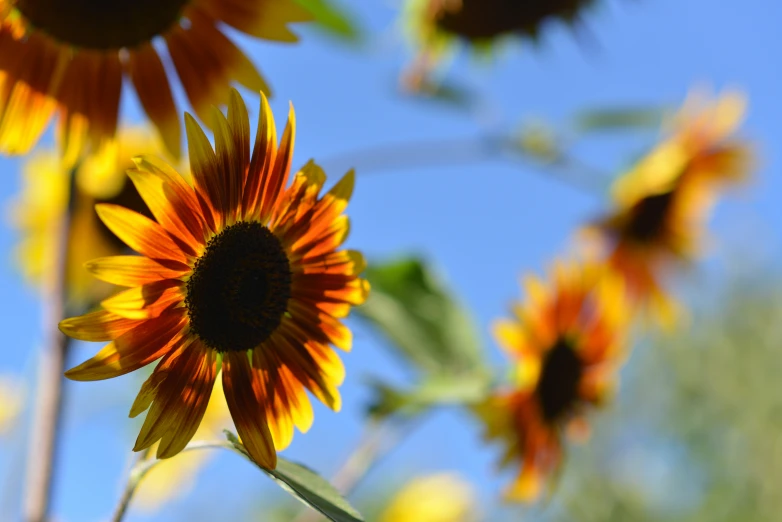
pixel 482 223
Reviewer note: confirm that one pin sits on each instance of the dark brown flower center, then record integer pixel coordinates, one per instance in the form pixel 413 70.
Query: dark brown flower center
pixel 484 19
pixel 560 375
pixel 239 289
pixel 102 24
pixel 649 216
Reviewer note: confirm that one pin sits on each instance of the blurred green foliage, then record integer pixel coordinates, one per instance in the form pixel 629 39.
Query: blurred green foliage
pixel 333 19
pixel 695 434
pixel 411 306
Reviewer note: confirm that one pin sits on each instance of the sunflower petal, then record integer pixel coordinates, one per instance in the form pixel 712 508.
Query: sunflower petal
pixel 134 270
pixel 173 214
pixel 140 233
pixel 133 349
pixel 191 404
pixel 245 409
pixel 97 326
pixel 147 301
pixel 154 91
pixel 205 169
pixel 277 179
pixel 184 378
pixel 262 160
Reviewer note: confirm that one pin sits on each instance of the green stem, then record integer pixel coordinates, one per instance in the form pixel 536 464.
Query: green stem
pixel 144 464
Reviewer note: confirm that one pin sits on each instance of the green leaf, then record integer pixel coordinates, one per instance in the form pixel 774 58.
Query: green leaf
pixel 612 119
pixel 305 485
pixel 434 391
pixel 334 20
pixel 426 325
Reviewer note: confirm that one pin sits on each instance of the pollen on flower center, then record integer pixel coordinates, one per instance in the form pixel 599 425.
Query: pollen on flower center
pixel 239 288
pixel 101 24
pixel 649 215
pixel 558 385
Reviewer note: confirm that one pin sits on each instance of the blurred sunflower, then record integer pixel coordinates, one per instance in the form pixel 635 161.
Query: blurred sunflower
pixel 48 185
pixel 435 26
pixel 443 497
pixel 567 344
pixel 663 202
pixel 173 478
pixel 238 273
pixel 71 56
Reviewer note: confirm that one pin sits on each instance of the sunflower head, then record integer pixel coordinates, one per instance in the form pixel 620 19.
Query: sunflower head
pixel 663 202
pixel 240 273
pixel 434 26
pixel 566 343
pixel 71 57
pixel 49 186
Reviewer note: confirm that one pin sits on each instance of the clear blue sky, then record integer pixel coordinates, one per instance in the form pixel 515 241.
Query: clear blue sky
pixel 483 223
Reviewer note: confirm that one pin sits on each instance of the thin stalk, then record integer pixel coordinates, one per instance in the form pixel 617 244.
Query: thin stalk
pixel 143 464
pixel 469 150
pixel 138 469
pixel 47 415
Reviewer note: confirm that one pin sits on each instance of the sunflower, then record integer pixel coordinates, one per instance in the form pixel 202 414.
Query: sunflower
pixel 442 497
pixel 239 273
pixel 566 343
pixel 435 26
pixel 72 56
pixel 48 185
pixel 663 202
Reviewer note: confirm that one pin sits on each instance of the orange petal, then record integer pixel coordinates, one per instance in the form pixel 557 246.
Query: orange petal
pixel 206 171
pixel 134 270
pixel 245 409
pixel 262 161
pixel 154 91
pixel 173 214
pixel 187 375
pixel 319 326
pixel 179 193
pixel 147 301
pixel 97 326
pixel 229 166
pixel 239 121
pixel 277 178
pixel 140 233
pixel 207 63
pixel 135 348
pixel 191 404
pixel 267 20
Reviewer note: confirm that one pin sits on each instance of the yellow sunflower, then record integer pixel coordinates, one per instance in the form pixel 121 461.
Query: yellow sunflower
pixel 72 57
pixel 38 211
pixel 566 344
pixel 239 273
pixel 663 202
pixel 443 497
pixel 435 26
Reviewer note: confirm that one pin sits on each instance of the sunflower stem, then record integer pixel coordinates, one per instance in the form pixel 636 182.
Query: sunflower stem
pixel 141 466
pixel 47 415
pixel 565 168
